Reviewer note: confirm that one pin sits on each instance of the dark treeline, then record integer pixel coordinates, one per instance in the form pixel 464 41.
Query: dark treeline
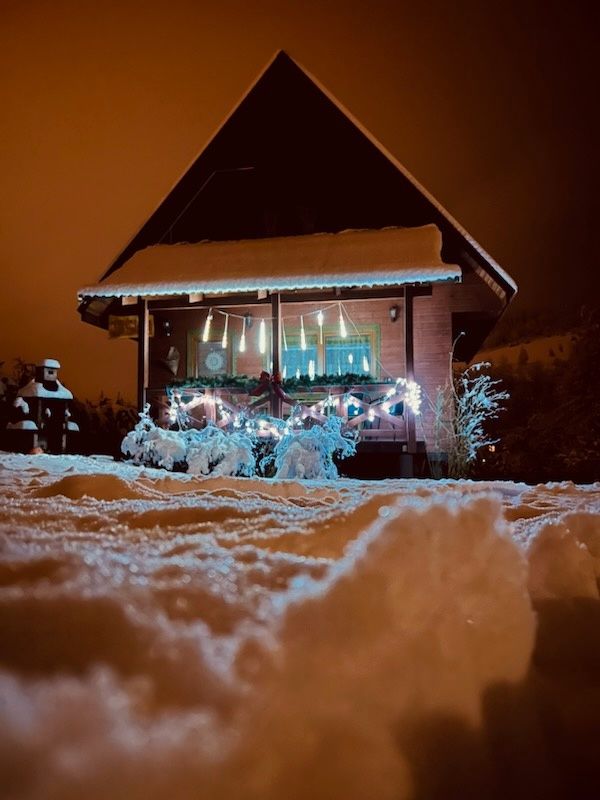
pixel 551 427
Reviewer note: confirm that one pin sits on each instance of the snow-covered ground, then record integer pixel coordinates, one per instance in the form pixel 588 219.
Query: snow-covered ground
pixel 165 636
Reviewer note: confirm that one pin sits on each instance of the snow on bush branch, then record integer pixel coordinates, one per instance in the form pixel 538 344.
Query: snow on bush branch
pixel 259 447
pixel 462 409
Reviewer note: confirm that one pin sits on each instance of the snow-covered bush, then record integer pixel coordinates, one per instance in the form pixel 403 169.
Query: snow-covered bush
pixel 211 451
pixel 461 410
pixel 264 445
pixel 308 454
pixel 155 447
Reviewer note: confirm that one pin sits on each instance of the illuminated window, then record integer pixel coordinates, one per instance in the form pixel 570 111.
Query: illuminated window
pixel 294 358
pixel 351 354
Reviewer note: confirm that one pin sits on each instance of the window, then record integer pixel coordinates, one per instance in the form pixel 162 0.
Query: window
pixel 336 355
pixel 352 354
pixel 295 359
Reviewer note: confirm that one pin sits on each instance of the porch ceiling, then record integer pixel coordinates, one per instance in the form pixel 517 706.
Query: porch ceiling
pixel 359 258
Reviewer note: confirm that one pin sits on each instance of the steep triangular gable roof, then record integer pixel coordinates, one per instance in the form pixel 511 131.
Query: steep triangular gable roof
pixel 291 159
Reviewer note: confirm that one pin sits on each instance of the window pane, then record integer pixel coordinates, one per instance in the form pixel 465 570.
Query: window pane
pixel 351 354
pixel 294 358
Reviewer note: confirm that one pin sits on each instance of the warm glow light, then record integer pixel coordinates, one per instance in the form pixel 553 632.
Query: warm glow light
pixel 343 331
pixel 224 339
pixel 243 337
pixel 206 331
pixel 320 324
pixel 302 335
pixel 262 337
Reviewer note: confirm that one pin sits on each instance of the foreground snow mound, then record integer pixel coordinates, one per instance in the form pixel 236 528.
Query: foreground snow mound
pixel 170 636
pixel 426 610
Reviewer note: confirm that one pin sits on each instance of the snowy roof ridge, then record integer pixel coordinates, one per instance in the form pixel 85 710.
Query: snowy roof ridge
pixel 387 257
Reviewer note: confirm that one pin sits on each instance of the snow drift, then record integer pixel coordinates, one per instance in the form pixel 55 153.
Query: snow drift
pixel 168 636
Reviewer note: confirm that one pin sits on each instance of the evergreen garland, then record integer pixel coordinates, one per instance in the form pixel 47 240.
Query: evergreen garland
pixel 303 383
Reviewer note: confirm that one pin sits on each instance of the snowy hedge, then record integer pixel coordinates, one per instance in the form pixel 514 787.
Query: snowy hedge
pixel 264 446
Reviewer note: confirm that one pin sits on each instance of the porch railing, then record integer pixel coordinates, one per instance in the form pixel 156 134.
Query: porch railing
pixel 375 410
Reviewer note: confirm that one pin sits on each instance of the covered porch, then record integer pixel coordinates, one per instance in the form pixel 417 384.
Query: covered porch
pixel 297 328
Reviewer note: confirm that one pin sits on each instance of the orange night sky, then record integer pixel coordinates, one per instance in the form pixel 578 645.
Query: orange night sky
pixel 104 105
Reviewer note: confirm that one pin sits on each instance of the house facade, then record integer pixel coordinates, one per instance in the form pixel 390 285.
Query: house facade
pixel 298 267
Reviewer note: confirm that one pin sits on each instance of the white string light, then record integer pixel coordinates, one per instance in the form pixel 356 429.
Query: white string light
pixel 206 331
pixel 243 337
pixel 262 338
pixel 365 365
pixel 343 331
pixel 320 324
pixel 224 339
pixel 302 334
pixel 311 369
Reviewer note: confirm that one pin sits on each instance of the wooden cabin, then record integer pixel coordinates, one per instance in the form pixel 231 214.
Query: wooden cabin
pixel 298 252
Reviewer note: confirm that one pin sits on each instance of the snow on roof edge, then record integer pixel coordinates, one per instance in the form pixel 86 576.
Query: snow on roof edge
pixel 364 280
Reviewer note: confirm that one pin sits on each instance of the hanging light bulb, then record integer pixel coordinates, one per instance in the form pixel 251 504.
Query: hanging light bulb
pixel 343 331
pixel 262 337
pixel 311 369
pixel 366 367
pixel 206 331
pixel 243 336
pixel 320 324
pixel 224 339
pixel 302 335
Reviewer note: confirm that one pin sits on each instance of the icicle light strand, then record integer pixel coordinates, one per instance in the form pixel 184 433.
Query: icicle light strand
pixel 206 331
pixel 262 338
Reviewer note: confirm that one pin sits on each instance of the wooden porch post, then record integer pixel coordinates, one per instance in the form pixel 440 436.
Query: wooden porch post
pixel 143 346
pixel 276 405
pixel 410 363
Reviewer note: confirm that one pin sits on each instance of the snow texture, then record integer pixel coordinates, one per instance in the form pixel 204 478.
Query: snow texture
pixel 387 257
pixel 164 635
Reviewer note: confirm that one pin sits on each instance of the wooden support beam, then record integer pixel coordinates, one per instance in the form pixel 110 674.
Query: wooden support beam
pixel 276 349
pixel 409 352
pixel 143 351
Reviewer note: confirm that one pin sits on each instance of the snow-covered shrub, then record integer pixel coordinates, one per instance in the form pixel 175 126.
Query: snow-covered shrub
pixel 211 451
pixel 308 454
pixel 462 408
pixel 155 447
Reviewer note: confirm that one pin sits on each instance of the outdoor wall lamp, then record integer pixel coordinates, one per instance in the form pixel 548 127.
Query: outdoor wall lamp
pixel 394 313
